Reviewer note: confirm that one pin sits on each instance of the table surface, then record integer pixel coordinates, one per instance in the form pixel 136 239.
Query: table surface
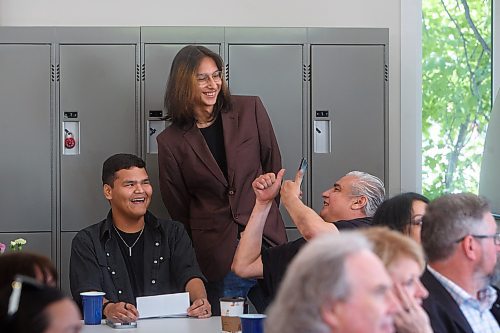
pixel 164 325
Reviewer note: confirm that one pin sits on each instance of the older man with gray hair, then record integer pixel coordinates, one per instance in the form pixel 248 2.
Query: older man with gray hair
pixel 350 203
pixel 335 284
pixel 460 238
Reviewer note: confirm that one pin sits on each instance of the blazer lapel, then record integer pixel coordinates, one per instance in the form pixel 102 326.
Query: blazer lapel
pixel 440 295
pixel 195 139
pixel 230 128
pixel 495 309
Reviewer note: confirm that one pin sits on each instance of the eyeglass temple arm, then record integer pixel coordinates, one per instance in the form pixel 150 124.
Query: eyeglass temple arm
pixel 14 297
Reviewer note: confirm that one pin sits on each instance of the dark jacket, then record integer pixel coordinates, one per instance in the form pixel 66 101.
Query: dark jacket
pixel 196 192
pixel 443 311
pixel 97 263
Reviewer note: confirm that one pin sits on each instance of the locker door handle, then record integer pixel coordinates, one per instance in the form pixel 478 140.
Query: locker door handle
pixel 322 136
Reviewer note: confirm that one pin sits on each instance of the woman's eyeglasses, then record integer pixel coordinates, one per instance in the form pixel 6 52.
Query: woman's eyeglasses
pixel 416 221
pixel 203 78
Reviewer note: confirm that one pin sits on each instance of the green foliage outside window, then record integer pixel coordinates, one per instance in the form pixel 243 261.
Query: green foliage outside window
pixel 456 100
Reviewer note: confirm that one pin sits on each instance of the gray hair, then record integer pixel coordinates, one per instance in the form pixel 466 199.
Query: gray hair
pixel 449 218
pixel 370 187
pixel 315 277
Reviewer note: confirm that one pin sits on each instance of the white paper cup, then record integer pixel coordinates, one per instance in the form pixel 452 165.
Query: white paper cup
pixel 231 308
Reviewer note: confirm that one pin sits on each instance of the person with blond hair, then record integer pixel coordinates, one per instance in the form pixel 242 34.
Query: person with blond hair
pixel 404 260
pixel 335 284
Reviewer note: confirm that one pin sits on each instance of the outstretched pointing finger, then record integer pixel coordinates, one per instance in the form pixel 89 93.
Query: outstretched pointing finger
pixel 298 177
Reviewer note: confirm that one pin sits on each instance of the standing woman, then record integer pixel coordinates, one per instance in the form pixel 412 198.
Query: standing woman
pixel 216 146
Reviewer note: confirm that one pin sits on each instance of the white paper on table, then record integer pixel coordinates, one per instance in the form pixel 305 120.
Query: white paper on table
pixel 169 305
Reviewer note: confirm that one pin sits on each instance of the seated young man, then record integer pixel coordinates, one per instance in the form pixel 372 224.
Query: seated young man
pixel 131 253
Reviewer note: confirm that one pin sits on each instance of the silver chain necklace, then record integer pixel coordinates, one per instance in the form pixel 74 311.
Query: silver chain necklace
pixel 129 247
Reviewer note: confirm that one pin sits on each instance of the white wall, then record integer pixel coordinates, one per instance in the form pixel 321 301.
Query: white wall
pixel 268 13
pixel 411 95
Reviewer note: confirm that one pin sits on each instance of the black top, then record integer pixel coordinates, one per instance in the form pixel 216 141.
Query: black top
pixel 97 263
pixel 214 137
pixel 134 262
pixel 275 260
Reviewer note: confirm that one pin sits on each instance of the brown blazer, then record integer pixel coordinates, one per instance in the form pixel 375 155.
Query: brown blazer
pixel 196 192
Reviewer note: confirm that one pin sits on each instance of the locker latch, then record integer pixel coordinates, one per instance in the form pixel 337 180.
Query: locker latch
pixel 69 140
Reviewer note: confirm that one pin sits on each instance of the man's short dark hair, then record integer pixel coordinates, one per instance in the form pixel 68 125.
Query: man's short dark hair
pixel 119 162
pixel 449 218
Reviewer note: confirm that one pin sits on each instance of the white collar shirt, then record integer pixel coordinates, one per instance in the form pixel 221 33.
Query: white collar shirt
pixel 476 310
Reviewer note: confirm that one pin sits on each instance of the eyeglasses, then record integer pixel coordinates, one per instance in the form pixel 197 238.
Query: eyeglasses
pixel 496 238
pixel 15 295
pixel 417 220
pixel 203 78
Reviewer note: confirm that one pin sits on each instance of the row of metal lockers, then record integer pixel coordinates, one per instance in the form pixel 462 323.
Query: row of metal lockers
pixel 325 89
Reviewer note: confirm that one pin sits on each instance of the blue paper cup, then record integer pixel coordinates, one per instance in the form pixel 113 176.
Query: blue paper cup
pixel 252 323
pixel 92 307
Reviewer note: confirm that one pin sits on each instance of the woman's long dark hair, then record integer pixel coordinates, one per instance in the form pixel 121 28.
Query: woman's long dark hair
pixel 395 213
pixel 180 94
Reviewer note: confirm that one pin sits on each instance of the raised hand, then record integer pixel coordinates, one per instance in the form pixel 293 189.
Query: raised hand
pixel 291 189
pixel 267 186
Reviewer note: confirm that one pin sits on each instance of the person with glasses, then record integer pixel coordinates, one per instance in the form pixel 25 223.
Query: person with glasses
pixel 27 306
pixel 335 284
pixel 461 241
pixel 404 213
pixel 216 145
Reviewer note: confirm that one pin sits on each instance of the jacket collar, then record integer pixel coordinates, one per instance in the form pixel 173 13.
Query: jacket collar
pixel 105 231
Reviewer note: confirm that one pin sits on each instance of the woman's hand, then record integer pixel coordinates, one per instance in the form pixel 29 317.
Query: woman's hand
pixel 410 317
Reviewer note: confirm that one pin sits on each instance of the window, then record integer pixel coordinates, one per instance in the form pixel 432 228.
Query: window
pixel 456 93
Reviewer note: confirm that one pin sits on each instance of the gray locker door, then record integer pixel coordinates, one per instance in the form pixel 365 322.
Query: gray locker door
pixel 158 60
pixel 25 136
pixel 348 82
pixel 274 73
pixel 66 239
pixel 99 83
